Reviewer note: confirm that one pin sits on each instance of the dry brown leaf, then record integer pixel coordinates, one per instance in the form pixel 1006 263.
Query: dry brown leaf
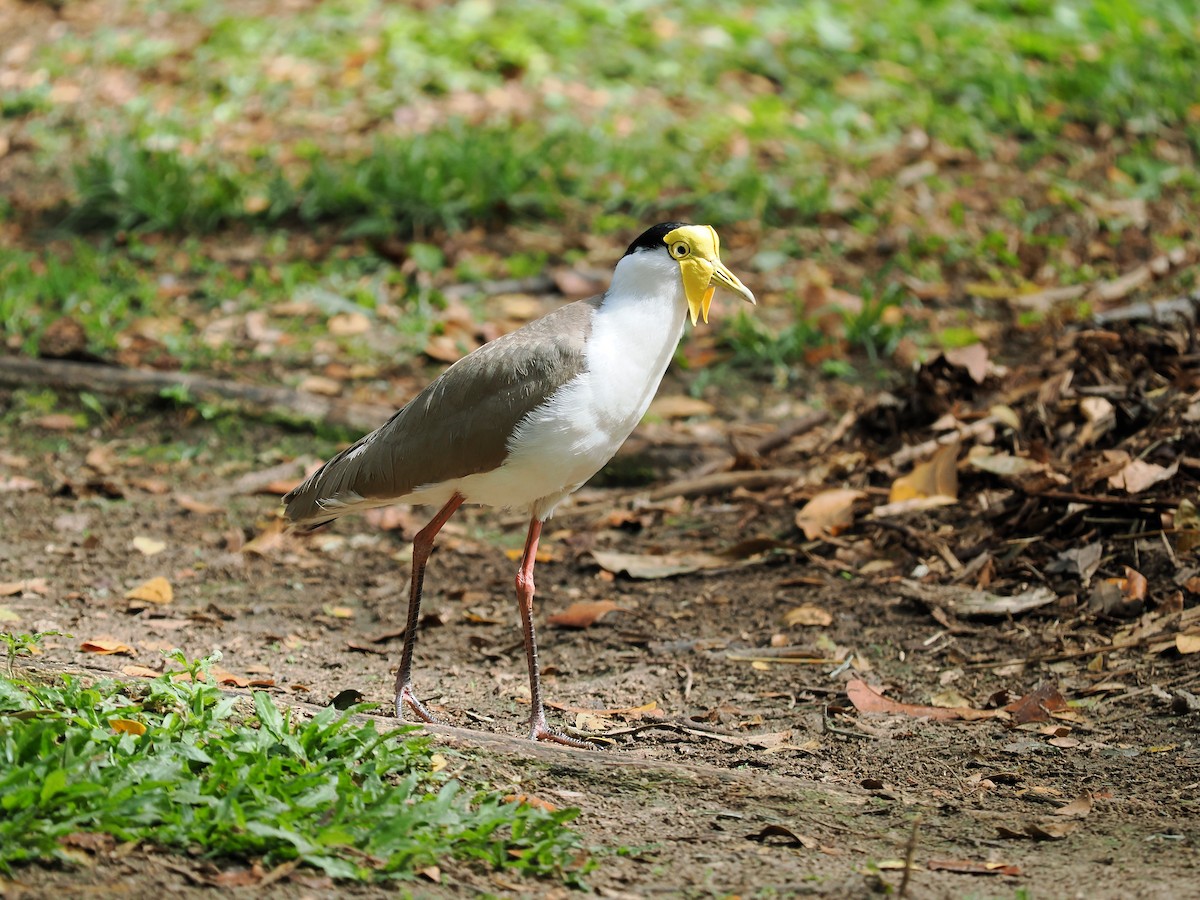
pixel 1038 705
pixel 29 585
pixel 973 358
pixel 972 867
pixel 198 507
pixel 223 676
pixel 268 541
pixel 584 614
pixel 127 726
pixel 156 590
pixel 1077 808
pixel 650 566
pixel 679 406
pixel 937 477
pixel 828 513
pixel 786 835
pixel 1188 643
pixel 867 699
pixel 808 615
pixel 139 671
pixel 106 646
pixel 1140 475
pixel 530 800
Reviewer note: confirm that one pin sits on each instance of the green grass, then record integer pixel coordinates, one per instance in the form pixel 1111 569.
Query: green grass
pixel 795 87
pixel 374 126
pixel 181 765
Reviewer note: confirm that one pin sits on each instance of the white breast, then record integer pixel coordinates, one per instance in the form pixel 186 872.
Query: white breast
pixel 564 442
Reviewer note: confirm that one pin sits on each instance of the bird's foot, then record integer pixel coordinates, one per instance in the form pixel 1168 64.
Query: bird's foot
pixel 540 731
pixel 406 697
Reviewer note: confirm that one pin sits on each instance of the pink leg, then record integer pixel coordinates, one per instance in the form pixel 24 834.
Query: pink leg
pixel 422 547
pixel 538 729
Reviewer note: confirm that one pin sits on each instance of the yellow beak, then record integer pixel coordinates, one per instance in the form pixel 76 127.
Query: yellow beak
pixel 701 278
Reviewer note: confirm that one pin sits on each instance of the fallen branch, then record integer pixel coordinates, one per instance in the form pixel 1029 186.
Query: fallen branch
pixel 76 376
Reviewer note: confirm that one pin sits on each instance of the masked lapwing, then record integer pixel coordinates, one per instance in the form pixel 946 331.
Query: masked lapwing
pixel 527 419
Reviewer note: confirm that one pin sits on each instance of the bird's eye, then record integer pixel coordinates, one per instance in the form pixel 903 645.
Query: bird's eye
pixel 679 250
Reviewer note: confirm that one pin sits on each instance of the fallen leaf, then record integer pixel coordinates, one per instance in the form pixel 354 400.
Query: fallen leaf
pixel 268 541
pixel 139 672
pixel 867 699
pixel 223 676
pixel 197 507
pixel 584 613
pixel 973 358
pixel 1188 643
pixel 1050 831
pixel 1038 705
pixel 1140 475
pixel 1077 808
pixel 679 406
pixel 937 477
pixel 828 513
pixel 433 873
pixel 148 546
pixel 972 867
pixel 530 800
pixel 29 585
pixel 105 646
pixel 808 615
pixel 1083 561
pixel 127 726
pixel 786 836
pixel 156 590
pixel 648 566
pixel 1004 464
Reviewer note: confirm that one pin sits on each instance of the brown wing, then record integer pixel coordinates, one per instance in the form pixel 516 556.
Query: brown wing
pixel 459 425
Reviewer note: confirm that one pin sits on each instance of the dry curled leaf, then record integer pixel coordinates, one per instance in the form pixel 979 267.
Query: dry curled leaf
pixel 828 513
pixel 156 590
pixel 532 801
pixel 652 566
pixel 584 614
pixel 808 615
pixel 105 646
pixel 1038 705
pixel 937 477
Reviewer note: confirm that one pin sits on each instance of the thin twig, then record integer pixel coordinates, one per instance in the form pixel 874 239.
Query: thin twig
pixel 909 853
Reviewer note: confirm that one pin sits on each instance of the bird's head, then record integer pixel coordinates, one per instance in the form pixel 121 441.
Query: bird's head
pixel 697 250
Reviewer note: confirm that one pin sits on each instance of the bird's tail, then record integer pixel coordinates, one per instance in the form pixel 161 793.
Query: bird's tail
pixel 324 495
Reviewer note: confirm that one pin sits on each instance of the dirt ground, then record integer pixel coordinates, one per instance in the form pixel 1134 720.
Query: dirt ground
pixel 734 767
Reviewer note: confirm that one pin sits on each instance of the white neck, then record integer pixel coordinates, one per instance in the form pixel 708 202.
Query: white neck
pixel 634 335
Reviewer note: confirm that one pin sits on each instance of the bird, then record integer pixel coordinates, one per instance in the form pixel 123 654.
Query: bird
pixel 525 420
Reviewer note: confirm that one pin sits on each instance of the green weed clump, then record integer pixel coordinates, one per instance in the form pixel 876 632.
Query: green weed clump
pixel 177 765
